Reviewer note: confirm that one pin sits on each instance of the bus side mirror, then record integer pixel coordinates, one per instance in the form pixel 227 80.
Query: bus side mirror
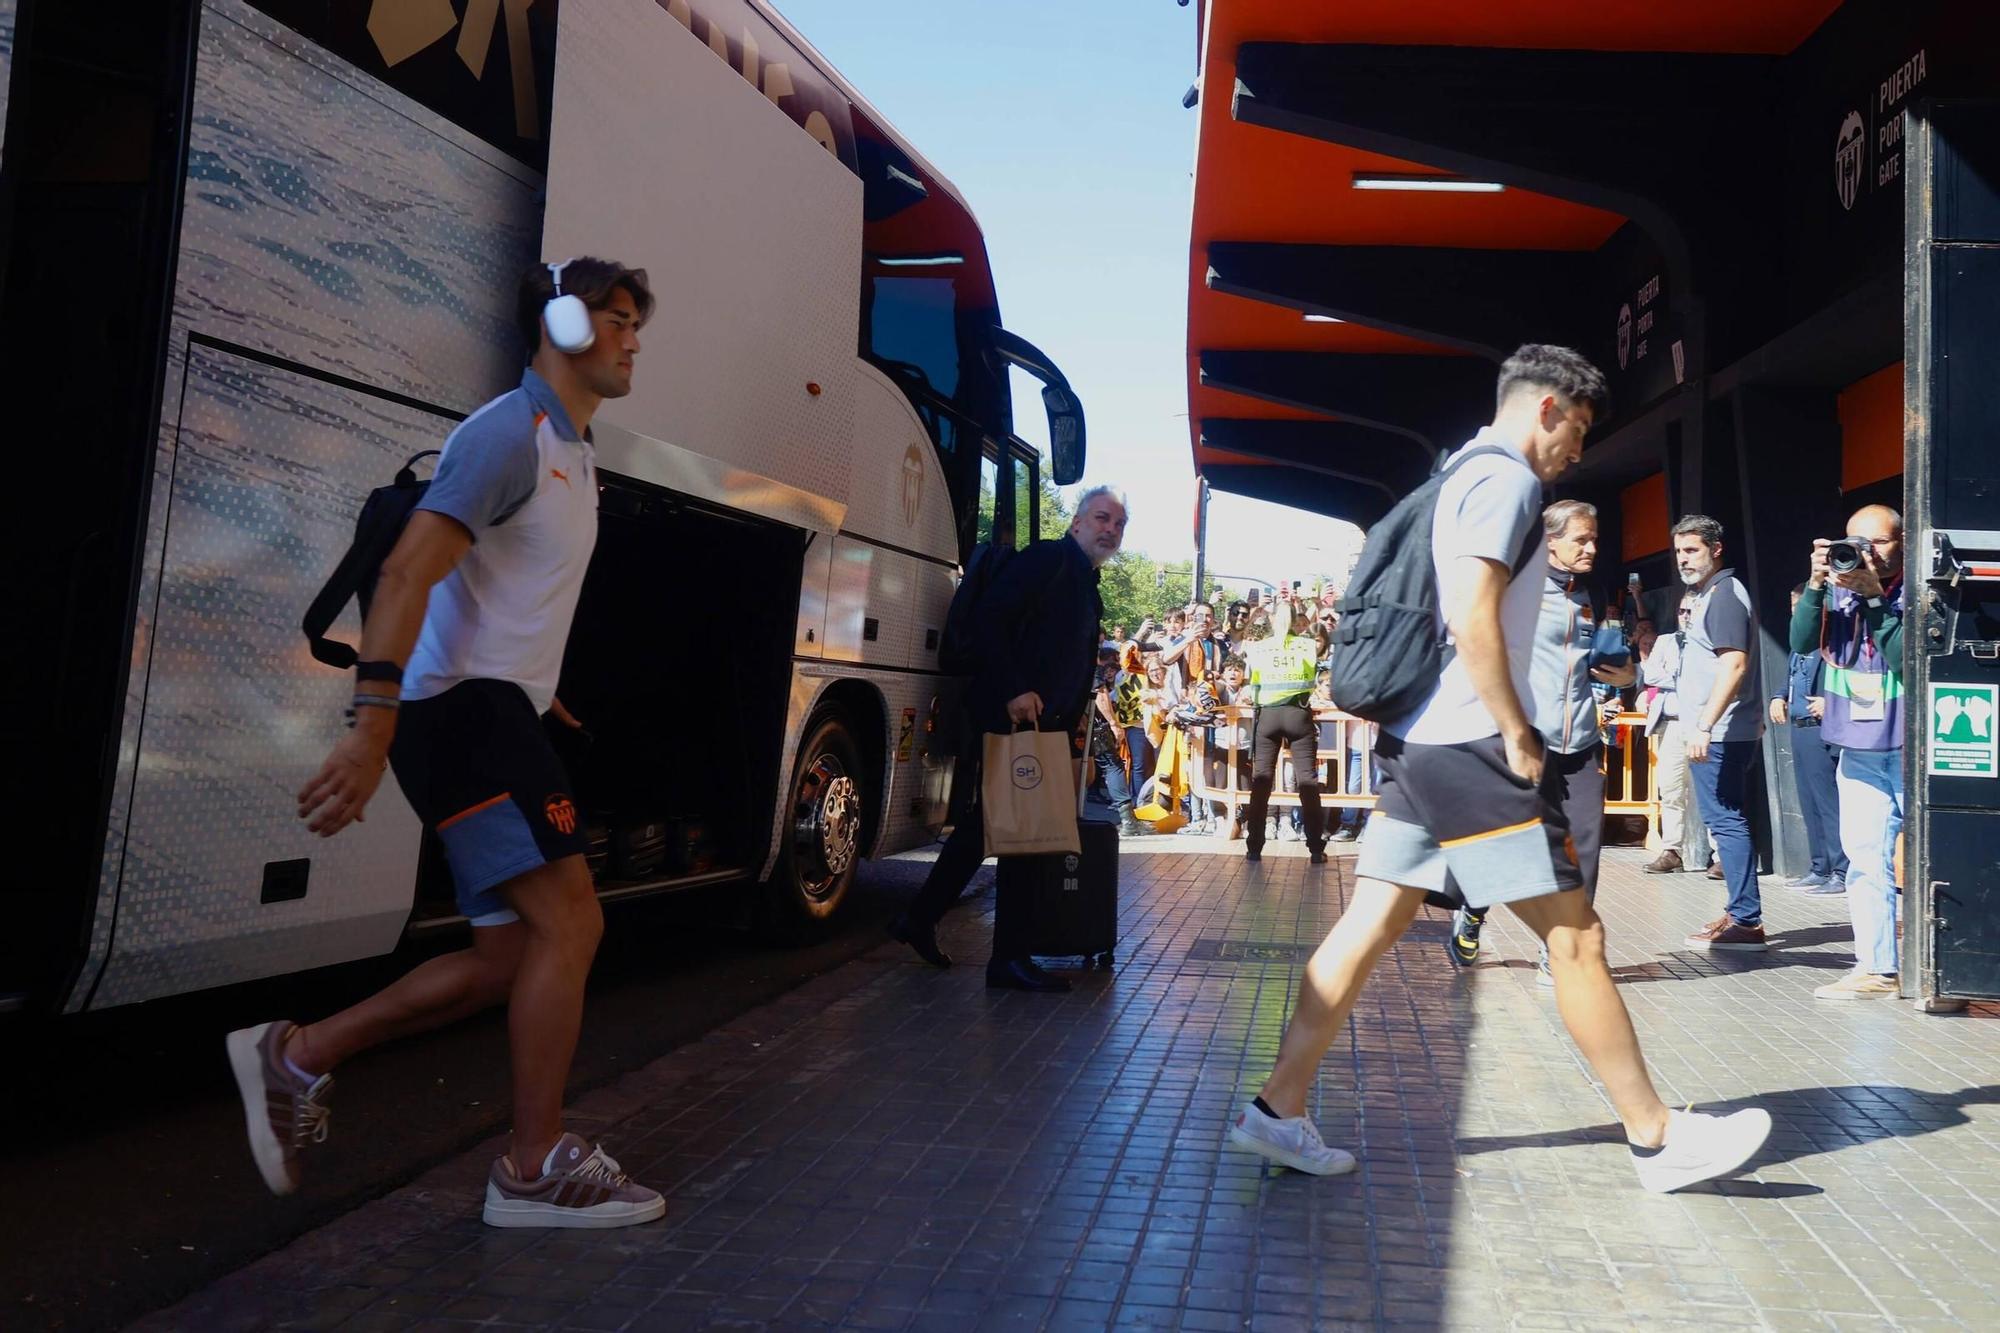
pixel 1066 435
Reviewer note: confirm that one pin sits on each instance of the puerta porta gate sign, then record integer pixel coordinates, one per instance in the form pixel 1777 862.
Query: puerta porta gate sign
pixel 1965 730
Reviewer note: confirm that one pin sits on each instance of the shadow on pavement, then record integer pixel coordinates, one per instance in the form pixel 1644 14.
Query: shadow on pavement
pixel 1806 1123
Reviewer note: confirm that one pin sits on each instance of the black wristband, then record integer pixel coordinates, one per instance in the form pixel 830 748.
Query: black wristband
pixel 382 671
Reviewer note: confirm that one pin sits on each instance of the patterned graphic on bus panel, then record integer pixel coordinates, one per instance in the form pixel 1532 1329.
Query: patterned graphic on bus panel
pixel 334 223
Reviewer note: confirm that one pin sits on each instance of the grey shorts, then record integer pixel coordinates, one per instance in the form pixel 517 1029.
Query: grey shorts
pixel 1456 822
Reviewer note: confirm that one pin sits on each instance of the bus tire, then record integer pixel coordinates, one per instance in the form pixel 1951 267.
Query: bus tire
pixel 826 812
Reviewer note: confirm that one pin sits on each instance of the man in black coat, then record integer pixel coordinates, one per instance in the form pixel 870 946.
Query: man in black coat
pixel 1036 638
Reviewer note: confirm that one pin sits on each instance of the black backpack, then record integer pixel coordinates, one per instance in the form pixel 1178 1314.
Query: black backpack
pixel 383 516
pixel 957 653
pixel 1388 649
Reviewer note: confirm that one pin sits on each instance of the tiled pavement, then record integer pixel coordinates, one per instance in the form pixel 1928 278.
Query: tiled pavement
pixel 893 1148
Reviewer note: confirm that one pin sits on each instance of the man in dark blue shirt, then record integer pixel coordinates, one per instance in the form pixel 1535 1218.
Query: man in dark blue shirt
pixel 1813 765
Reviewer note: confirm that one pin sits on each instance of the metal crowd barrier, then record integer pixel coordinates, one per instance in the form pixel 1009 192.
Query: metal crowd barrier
pixel 1628 777
pixel 1628 780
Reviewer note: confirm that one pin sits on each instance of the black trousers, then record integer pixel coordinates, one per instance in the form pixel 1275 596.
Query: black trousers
pixel 963 852
pixel 1291 725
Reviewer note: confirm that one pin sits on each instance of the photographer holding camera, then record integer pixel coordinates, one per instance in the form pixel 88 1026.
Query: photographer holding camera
pixel 1856 628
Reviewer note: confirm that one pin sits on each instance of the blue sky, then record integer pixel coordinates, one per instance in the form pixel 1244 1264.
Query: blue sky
pixel 1062 126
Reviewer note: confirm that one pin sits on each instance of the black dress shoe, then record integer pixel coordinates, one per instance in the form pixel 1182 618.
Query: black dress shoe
pixel 1253 853
pixel 921 938
pixel 1318 856
pixel 1021 974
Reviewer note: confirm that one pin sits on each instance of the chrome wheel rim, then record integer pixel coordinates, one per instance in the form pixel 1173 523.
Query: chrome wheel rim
pixel 826 825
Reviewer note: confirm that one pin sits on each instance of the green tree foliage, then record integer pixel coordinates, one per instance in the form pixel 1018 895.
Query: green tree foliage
pixel 1052 516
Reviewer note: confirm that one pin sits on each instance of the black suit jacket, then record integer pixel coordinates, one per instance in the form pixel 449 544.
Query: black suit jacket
pixel 1037 630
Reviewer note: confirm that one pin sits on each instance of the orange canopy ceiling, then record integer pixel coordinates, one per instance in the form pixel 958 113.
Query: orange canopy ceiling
pixel 1258 184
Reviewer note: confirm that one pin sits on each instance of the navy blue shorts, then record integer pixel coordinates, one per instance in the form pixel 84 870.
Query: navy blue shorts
pixel 477 767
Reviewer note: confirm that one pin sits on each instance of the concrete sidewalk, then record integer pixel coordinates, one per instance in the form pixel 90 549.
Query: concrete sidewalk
pixel 890 1147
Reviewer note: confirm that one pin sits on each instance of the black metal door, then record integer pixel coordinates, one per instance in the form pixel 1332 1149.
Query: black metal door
pixel 1952 472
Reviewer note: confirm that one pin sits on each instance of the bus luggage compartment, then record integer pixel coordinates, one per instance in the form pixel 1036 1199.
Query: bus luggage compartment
pixel 677 668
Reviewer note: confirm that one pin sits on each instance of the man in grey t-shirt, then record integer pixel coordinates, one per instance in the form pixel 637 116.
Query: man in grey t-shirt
pixel 1720 713
pixel 1466 810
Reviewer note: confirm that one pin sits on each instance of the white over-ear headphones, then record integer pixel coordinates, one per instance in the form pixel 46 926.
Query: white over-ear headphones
pixel 567 318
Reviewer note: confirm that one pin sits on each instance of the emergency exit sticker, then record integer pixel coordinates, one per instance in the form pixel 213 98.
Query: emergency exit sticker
pixel 1965 731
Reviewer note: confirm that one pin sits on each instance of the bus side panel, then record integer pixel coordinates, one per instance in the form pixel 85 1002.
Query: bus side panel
pixel 872 610
pixel 339 227
pixel 337 223
pixel 237 712
pixel 908 505
pixel 663 156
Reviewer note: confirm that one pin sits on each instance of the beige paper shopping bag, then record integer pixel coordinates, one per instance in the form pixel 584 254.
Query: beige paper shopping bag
pixel 1029 793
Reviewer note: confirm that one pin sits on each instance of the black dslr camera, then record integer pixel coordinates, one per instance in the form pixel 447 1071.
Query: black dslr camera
pixel 1846 555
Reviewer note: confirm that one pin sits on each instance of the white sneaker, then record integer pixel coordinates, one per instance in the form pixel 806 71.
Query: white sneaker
pixel 1701 1147
pixel 1294 1142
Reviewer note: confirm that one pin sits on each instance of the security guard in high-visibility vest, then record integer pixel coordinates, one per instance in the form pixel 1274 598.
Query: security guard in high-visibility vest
pixel 1282 664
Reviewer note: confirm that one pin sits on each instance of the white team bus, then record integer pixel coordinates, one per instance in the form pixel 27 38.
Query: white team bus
pixel 259 253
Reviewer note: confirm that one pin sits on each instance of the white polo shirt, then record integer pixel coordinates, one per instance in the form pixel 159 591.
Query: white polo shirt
pixel 525 486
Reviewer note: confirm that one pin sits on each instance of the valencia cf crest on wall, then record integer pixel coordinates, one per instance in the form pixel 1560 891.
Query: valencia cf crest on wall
pixel 1848 152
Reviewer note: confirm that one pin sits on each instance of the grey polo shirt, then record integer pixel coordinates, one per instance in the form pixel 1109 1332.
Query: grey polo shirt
pixel 1721 620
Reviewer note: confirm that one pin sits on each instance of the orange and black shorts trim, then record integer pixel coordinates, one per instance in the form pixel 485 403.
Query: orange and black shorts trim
pixel 477 766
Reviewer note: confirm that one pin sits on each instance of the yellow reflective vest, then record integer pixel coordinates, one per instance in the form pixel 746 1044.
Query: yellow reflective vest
pixel 1281 668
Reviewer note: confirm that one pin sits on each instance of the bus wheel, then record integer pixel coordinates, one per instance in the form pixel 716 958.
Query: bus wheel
pixel 824 818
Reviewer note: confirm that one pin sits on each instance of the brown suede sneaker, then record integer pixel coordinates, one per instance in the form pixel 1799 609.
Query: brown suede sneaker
pixel 1666 863
pixel 582 1187
pixel 282 1112
pixel 1727 936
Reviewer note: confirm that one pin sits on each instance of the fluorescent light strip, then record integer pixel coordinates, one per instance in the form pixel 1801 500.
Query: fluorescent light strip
pixel 1435 184
pixel 920 261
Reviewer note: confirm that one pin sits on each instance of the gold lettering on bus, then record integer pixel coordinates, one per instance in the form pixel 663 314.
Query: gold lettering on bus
pixel 777 81
pixel 401 28
pixel 820 128
pixel 475 34
pixel 774 80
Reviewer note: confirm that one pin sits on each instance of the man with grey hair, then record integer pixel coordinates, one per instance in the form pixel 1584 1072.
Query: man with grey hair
pixel 1721 710
pixel 1036 638
pixel 1562 705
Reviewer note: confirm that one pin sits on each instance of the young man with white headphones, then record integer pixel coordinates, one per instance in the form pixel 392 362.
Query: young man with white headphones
pixel 460 654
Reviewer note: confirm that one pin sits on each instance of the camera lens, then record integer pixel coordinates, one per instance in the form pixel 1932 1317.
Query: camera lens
pixel 1843 557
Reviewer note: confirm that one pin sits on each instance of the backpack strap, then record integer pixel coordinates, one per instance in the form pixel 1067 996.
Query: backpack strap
pixel 357 568
pixel 1531 544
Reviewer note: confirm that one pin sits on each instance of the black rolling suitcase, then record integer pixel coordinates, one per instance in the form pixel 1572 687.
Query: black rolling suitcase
pixel 1074 899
